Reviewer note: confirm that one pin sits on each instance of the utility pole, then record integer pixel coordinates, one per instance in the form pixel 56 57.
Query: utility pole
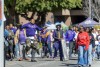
pixel 1 34
pixel 90 12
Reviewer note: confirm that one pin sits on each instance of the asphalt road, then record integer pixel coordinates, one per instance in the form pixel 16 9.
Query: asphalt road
pixel 47 62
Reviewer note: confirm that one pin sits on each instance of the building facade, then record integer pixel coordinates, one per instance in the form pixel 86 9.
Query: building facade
pixel 65 15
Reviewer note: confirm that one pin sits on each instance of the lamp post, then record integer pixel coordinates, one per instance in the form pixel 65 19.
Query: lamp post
pixel 90 8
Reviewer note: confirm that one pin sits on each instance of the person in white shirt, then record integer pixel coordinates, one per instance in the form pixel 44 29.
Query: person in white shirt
pixel 98 45
pixel 95 33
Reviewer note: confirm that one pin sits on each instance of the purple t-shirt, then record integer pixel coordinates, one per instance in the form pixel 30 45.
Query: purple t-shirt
pixel 22 38
pixel 14 30
pixel 30 29
pixel 69 35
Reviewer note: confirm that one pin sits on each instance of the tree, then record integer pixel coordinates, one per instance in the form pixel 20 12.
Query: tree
pixel 95 11
pixel 12 9
pixel 16 7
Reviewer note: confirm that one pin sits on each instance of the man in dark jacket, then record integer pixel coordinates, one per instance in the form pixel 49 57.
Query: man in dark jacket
pixel 58 35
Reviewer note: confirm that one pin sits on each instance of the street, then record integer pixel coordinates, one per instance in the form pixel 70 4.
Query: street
pixel 46 62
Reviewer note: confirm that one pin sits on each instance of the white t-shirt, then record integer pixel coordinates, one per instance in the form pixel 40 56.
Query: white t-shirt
pixel 95 36
pixel 76 34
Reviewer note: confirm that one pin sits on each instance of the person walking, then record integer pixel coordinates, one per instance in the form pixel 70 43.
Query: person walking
pixel 47 42
pixel 91 46
pixel 95 33
pixel 98 45
pixel 83 41
pixel 31 29
pixel 11 42
pixel 69 36
pixel 21 44
pixel 75 38
pixel 58 35
pixel 6 45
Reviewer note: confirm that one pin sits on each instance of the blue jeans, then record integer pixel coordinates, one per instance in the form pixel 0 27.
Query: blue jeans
pixel 98 51
pixel 17 50
pixel 47 48
pixel 82 56
pixel 90 54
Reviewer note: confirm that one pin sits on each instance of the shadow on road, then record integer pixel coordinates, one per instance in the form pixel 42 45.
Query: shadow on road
pixel 69 65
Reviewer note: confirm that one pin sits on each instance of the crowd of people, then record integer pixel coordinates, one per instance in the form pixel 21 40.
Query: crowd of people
pixel 29 38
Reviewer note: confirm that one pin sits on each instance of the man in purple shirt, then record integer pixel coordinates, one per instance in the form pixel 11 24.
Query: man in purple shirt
pixel 31 29
pixel 69 36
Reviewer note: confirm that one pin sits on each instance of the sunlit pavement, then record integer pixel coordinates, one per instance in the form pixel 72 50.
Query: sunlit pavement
pixel 48 62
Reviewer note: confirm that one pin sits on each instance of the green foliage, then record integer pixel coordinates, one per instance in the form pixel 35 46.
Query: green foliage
pixel 21 6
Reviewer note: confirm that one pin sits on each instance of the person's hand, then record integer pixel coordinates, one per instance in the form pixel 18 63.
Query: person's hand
pixel 86 48
pixel 60 38
pixel 93 49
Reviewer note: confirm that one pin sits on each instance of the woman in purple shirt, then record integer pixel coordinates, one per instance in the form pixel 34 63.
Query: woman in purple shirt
pixel 20 43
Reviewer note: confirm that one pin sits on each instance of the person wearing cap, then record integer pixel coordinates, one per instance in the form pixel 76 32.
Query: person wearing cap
pixel 58 35
pixel 69 37
pixel 31 29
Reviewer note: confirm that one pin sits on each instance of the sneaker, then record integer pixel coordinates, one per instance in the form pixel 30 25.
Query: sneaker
pixel 80 66
pixel 20 59
pixel 50 57
pixel 98 58
pixel 11 59
pixel 61 59
pixel 89 65
pixel 27 59
pixel 33 61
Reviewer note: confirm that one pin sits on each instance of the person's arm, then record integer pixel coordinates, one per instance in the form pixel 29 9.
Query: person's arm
pixel 48 33
pixel 97 37
pixel 66 36
pixel 25 25
pixel 93 41
pixel 38 28
pixel 88 41
pixel 25 33
pixel 62 34
pixel 16 37
pixel 77 41
pixel 74 36
pixel 54 35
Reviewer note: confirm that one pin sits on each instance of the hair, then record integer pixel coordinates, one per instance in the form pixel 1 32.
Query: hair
pixel 77 28
pixel 20 27
pixel 70 27
pixel 90 30
pixel 58 25
pixel 81 27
